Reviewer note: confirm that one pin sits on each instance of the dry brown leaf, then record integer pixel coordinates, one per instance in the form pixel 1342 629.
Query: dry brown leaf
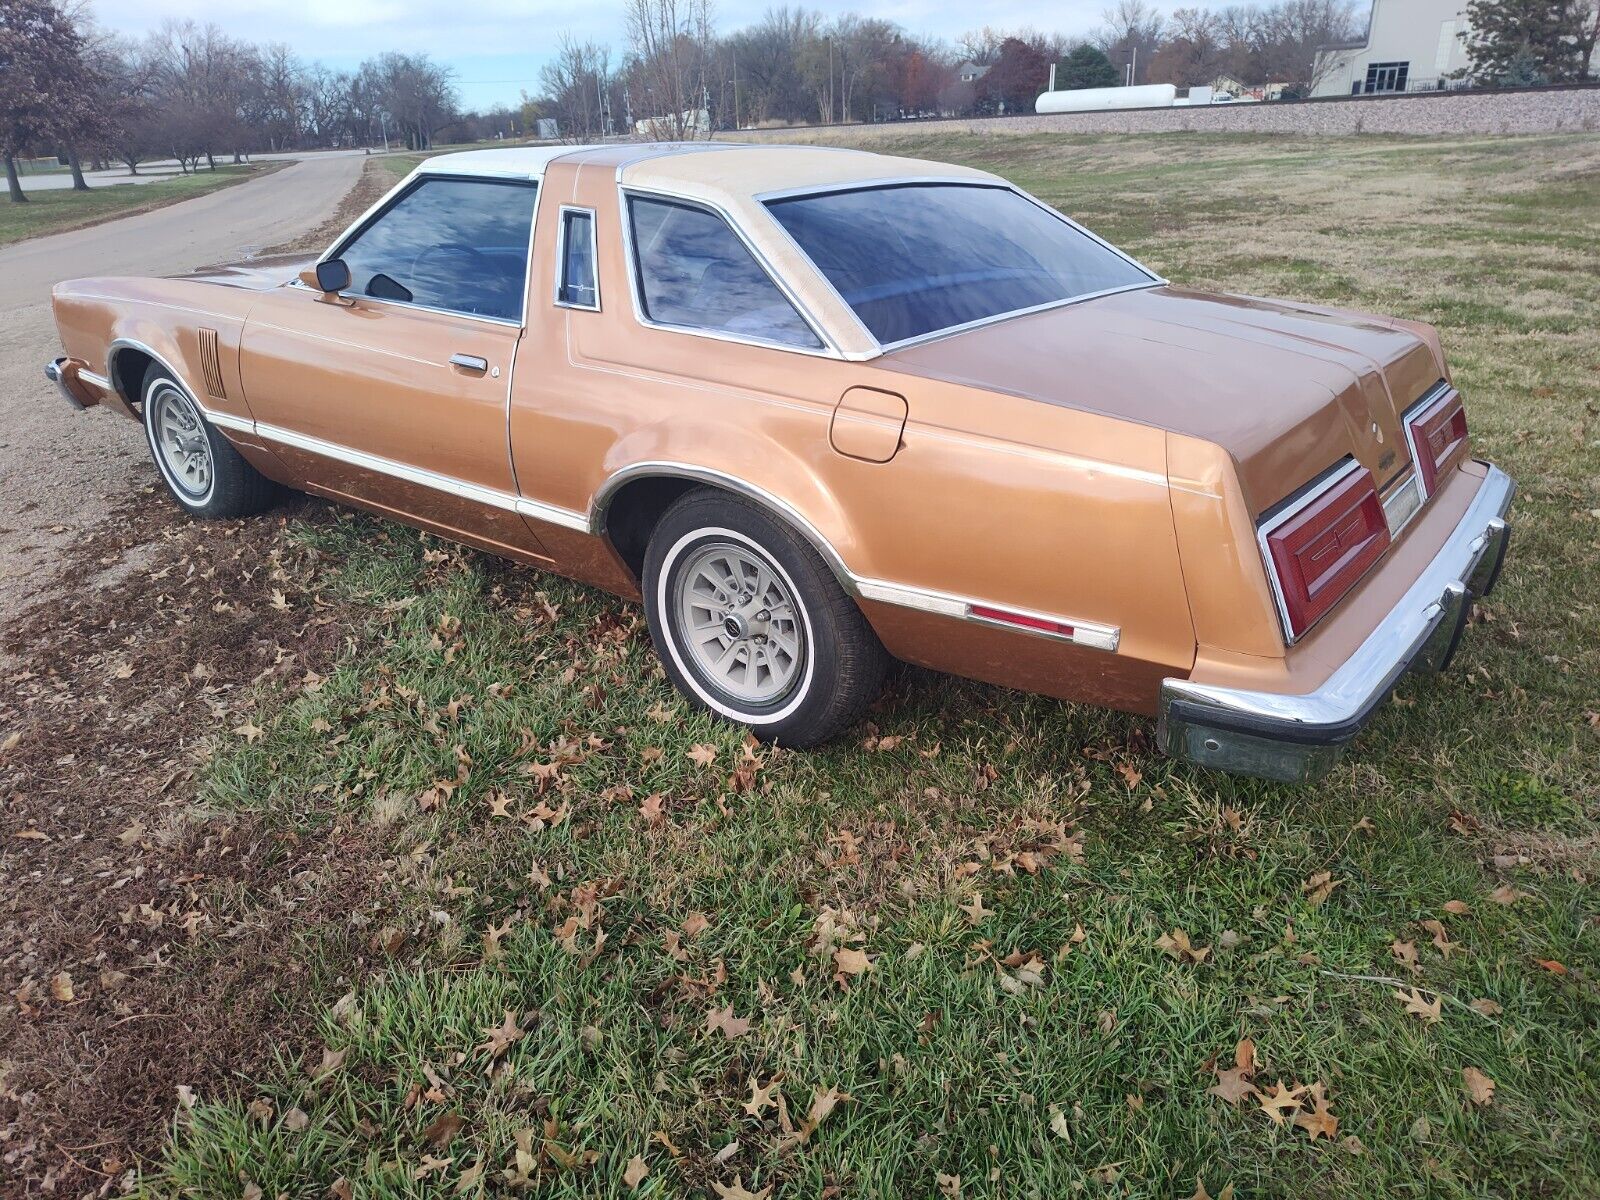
pixel 736 1190
pixel 1457 908
pixel 1487 1007
pixel 332 1060
pixel 724 1020
pixel 849 961
pixel 1417 1006
pixel 1319 887
pixel 1480 1088
pixel 1277 1102
pixel 1405 953
pixel 762 1098
pixel 1506 894
pixel 442 1130
pixel 500 1038
pixel 695 924
pixel 61 987
pixel 1177 945
pixel 702 753
pixel 1441 940
pixel 636 1171
pixel 977 914
pixel 1235 1085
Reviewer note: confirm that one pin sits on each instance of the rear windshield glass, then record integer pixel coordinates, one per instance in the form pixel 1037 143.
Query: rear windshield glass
pixel 913 259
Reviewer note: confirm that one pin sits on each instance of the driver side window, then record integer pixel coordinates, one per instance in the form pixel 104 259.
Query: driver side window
pixel 455 244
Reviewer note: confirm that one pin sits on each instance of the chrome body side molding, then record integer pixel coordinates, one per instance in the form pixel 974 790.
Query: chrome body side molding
pixel 1094 634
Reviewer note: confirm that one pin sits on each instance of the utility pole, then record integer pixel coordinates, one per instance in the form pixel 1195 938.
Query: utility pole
pixel 829 120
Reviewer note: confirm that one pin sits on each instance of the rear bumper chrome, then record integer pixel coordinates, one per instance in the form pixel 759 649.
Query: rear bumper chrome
pixel 56 371
pixel 1296 738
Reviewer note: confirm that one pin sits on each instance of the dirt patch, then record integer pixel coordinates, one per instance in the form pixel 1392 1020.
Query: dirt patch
pixel 146 943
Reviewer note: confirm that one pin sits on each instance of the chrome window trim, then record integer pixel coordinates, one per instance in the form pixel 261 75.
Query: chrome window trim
pixel 399 192
pixel 795 193
pixel 828 348
pixel 1338 475
pixel 1433 395
pixel 561 256
pixel 1093 634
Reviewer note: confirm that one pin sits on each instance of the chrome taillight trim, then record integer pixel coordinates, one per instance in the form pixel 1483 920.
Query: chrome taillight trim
pixel 1439 393
pixel 1264 530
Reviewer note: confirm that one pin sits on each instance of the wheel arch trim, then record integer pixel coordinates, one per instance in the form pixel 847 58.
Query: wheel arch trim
pixel 777 505
pixel 118 345
pixel 1096 635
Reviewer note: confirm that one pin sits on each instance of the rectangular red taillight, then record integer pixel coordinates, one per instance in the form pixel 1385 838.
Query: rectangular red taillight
pixel 1318 548
pixel 1437 432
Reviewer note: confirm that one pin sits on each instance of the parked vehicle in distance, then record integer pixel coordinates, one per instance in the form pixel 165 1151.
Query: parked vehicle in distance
pixel 817 408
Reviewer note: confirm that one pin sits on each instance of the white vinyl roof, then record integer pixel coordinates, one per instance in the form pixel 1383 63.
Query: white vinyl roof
pixel 510 162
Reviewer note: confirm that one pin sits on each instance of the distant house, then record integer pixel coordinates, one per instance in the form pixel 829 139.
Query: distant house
pixel 971 72
pixel 1233 86
pixel 1409 46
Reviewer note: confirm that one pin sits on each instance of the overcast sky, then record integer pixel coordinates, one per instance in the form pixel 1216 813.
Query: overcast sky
pixel 497 46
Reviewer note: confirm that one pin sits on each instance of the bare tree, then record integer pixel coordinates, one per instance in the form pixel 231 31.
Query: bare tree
pixel 672 41
pixel 1131 33
pixel 576 83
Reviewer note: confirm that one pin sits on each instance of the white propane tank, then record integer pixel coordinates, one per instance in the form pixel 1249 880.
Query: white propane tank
pixel 1147 95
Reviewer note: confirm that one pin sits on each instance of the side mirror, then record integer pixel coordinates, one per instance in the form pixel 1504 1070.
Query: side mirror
pixel 333 275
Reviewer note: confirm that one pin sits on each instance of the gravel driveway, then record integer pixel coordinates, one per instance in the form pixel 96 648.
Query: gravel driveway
pixel 59 469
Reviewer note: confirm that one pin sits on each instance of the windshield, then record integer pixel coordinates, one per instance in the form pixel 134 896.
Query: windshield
pixel 913 259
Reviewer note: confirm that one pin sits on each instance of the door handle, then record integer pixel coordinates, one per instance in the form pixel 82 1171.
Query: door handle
pixel 469 362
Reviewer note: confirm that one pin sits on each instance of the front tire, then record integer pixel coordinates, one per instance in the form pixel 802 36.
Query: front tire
pixel 204 473
pixel 750 624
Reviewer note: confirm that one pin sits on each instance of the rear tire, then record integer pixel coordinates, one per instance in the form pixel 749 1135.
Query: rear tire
pixel 204 473
pixel 751 624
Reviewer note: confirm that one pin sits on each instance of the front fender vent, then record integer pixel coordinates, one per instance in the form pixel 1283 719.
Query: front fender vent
pixel 211 364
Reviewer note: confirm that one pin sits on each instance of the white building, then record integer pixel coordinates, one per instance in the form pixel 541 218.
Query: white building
pixel 1410 46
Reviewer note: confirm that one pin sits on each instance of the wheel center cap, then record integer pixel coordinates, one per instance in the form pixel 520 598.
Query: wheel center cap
pixel 735 626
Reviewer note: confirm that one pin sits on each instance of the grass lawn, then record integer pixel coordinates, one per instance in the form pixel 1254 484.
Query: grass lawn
pixel 987 945
pixel 58 210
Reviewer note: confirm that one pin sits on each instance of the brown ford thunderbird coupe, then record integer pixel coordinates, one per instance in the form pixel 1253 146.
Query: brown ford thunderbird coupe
pixel 817 408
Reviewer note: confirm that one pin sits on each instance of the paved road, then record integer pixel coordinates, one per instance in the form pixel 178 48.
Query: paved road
pixel 159 169
pixel 59 469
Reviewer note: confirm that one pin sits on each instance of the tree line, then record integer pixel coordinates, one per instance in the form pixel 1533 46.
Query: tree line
pixel 192 93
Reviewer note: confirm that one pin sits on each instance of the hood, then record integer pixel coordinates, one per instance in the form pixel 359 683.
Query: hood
pixel 1286 391
pixel 256 274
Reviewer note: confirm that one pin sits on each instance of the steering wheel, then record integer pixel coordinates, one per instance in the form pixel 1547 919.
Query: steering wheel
pixel 480 259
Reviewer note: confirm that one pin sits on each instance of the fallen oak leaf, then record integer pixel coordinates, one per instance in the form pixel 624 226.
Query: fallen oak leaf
pixel 1480 1088
pixel 1487 1007
pixel 1319 887
pixel 761 1098
pixel 500 1038
pixel 634 1175
pixel 1417 1006
pixel 736 1190
pixel 1280 1100
pixel 441 1131
pixel 730 1025
pixel 1441 940
pixel 1177 945
pixel 1235 1085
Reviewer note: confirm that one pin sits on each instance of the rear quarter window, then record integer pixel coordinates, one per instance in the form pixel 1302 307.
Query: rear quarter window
pixel 914 259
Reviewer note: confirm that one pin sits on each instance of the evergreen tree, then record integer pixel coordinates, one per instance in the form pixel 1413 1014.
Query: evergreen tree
pixel 1514 42
pixel 1087 67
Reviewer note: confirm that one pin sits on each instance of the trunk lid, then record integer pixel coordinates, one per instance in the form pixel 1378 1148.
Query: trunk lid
pixel 1287 391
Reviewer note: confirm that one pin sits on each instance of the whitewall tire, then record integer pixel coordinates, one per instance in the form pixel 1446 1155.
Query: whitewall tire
pixel 751 625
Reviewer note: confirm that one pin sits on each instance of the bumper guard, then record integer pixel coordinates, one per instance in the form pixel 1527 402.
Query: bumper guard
pixel 1297 738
